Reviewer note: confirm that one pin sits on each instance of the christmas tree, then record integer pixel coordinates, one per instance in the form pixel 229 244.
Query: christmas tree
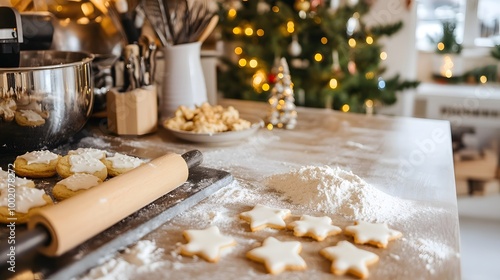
pixel 334 58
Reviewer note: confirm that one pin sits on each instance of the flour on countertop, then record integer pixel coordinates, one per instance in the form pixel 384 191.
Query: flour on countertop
pixel 143 257
pixel 337 191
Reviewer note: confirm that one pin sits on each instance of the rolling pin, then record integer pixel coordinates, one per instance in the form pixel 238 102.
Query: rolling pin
pixel 56 229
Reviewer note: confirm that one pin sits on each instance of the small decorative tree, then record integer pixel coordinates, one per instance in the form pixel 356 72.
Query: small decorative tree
pixel 282 113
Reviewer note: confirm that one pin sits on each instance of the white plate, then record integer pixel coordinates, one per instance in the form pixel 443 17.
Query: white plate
pixel 220 137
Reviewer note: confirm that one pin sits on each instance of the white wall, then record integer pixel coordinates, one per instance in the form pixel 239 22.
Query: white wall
pixel 400 48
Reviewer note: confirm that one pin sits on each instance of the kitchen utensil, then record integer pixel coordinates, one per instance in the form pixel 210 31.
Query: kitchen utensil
pixel 155 12
pixel 103 78
pixel 11 36
pixel 56 85
pixel 209 29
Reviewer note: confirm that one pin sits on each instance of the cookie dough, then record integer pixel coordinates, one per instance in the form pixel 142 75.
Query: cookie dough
pixel 74 185
pixel 36 164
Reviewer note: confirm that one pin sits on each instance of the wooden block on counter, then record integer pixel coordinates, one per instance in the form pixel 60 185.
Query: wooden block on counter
pixel 462 187
pixel 481 188
pixel 483 169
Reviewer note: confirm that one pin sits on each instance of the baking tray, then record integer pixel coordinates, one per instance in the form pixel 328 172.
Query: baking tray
pixel 201 183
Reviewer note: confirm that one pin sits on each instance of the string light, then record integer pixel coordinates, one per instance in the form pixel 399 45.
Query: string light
pixel 440 46
pixel 276 9
pixel 260 32
pixel 345 108
pixel 290 26
pixel 249 31
pixel 242 62
pixel 383 55
pixel 237 30
pixel 318 57
pixel 483 79
pixel 369 40
pixel 447 67
pixel 238 50
pixel 231 13
pixel 352 43
pixel 265 87
pixel 369 103
pixel 270 126
pixel 324 40
pixel 333 83
pixel 369 75
pixel 253 63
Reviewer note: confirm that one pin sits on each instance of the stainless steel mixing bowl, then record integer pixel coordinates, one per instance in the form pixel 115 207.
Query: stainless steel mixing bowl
pixel 44 101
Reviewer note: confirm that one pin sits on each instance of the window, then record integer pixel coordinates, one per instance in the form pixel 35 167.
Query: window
pixel 477 21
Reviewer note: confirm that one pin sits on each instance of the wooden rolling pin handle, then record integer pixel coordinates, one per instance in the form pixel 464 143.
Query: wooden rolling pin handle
pixel 75 220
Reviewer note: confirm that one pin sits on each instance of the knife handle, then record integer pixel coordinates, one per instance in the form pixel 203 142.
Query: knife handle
pixel 74 220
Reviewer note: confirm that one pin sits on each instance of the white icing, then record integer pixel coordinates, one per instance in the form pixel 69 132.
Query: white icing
pixel 346 256
pixel 80 181
pixel 3 174
pixel 17 182
pixel 123 161
pixel 39 157
pixel 316 227
pixel 26 198
pixel 279 255
pixel 85 164
pixel 31 115
pixel 95 153
pixel 365 232
pixel 262 216
pixel 207 242
pixel 23 182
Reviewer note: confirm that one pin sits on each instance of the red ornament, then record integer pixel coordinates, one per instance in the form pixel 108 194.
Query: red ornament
pixel 271 78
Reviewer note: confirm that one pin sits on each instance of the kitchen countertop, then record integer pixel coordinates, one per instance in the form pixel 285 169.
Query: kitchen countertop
pixel 408 159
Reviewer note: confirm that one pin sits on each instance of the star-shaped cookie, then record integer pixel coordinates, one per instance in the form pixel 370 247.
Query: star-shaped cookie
pixel 346 258
pixel 318 228
pixel 206 243
pixel 278 256
pixel 262 216
pixel 371 233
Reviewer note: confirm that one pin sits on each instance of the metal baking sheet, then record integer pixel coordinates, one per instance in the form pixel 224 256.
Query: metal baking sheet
pixel 201 183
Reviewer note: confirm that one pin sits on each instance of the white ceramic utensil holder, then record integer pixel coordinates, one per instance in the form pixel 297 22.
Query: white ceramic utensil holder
pixel 183 81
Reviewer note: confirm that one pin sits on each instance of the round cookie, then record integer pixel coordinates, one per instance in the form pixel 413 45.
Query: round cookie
pixel 29 118
pixel 120 163
pixel 7 110
pixel 95 153
pixel 74 185
pixel 37 164
pixel 74 164
pixel 28 201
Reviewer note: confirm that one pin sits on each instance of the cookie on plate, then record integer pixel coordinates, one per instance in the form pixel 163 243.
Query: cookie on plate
pixel 36 164
pixel 84 163
pixel 120 163
pixel 95 153
pixel 28 200
pixel 74 185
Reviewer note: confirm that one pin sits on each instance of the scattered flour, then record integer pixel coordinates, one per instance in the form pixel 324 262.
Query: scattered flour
pixel 143 257
pixel 337 191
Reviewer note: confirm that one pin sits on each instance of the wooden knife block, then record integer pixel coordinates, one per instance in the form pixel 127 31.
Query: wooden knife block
pixel 133 112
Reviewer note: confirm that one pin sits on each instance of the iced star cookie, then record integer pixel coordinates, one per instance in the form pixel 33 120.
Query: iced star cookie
pixel 28 200
pixel 29 118
pixel 74 185
pixel 347 258
pixel 95 153
pixel 278 256
pixel 37 164
pixel 74 164
pixel 206 243
pixel 262 216
pixel 371 233
pixel 317 228
pixel 120 163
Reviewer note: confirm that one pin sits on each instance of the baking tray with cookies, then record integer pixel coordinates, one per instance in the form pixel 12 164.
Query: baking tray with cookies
pixel 80 205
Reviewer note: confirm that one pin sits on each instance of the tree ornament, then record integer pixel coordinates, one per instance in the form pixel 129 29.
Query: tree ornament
pixel 263 7
pixel 352 25
pixel 351 66
pixel 295 49
pixel 282 113
pixel 352 3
